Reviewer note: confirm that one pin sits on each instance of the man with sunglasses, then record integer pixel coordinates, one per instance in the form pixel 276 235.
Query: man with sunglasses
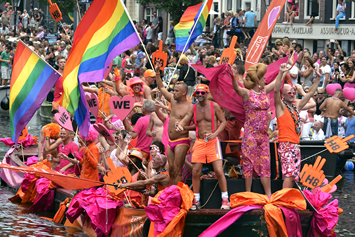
pixel 179 142
pixel 289 123
pixel 207 149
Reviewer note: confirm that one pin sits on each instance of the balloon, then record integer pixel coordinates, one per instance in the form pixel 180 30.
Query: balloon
pixel 332 87
pixel 349 93
pixel 349 165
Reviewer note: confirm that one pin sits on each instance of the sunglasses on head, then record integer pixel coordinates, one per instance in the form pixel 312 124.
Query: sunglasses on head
pixel 200 92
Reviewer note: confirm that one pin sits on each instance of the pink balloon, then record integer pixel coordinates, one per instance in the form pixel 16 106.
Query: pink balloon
pixel 332 87
pixel 349 93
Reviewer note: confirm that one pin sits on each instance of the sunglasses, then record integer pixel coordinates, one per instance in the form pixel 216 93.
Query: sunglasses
pixel 291 93
pixel 320 93
pixel 200 92
pixel 154 148
pixel 275 124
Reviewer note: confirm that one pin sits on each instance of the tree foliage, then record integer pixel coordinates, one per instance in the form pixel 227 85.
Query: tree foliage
pixel 175 7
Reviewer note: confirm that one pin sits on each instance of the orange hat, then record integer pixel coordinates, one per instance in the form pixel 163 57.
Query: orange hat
pixel 200 87
pixel 136 153
pixel 149 73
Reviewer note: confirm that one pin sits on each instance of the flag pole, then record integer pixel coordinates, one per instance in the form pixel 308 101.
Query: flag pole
pixel 193 28
pixel 39 57
pixel 145 50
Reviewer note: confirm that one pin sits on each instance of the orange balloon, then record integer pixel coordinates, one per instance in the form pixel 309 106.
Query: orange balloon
pixel 159 55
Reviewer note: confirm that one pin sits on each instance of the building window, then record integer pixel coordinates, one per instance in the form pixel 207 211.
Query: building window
pixel 229 5
pixel 311 9
pixel 352 17
pixel 335 4
pixel 149 14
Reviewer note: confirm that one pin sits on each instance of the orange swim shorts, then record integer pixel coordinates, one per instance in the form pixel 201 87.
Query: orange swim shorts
pixel 206 152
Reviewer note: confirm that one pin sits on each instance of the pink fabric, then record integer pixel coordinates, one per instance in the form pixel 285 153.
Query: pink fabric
pixel 45 198
pixel 228 219
pixel 117 123
pixel 29 141
pixel 349 85
pixel 163 213
pixel 31 160
pixel 93 203
pixel 70 148
pixel 323 223
pixel 165 138
pixel 222 91
pixel 293 222
pixel 27 181
pixel 143 141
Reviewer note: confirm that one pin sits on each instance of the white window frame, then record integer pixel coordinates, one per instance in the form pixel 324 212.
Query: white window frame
pixel 306 11
pixel 335 4
pixel 352 17
pixel 150 15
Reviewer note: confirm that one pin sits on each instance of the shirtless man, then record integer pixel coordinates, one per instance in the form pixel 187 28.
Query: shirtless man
pixel 42 137
pixel 155 128
pixel 179 142
pixel 207 148
pixel 331 106
pixel 288 120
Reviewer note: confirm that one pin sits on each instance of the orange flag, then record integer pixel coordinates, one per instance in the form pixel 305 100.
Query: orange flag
pixel 262 34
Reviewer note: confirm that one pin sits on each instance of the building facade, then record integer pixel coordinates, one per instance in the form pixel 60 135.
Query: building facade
pixel 315 37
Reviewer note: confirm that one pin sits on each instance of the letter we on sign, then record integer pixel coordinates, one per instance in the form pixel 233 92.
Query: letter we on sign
pixel 121 107
pixel 63 119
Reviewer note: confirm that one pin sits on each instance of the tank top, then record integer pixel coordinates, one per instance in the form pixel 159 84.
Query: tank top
pixel 287 129
pixel 161 187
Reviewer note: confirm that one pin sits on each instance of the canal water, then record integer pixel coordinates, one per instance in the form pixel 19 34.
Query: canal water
pixel 17 220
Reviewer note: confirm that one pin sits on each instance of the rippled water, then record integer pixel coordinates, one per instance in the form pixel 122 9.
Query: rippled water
pixel 17 220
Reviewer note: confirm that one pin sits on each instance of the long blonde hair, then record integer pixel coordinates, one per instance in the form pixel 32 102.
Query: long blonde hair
pixel 254 73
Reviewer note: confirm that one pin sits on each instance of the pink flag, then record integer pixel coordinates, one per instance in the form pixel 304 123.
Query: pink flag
pixel 221 87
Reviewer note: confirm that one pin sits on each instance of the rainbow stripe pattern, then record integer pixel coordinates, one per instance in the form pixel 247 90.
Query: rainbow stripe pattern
pixel 193 15
pixel 104 32
pixel 31 81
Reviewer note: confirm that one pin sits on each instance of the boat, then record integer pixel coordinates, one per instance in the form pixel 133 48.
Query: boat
pixel 252 223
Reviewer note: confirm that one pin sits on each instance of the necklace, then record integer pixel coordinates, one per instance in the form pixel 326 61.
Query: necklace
pixel 296 121
pixel 258 93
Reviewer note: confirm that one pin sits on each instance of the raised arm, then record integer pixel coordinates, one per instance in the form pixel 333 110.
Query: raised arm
pixel 244 93
pixel 279 106
pixel 164 91
pixel 311 91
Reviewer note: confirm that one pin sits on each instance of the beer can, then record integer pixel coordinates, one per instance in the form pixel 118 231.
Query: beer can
pixel 206 139
pixel 49 157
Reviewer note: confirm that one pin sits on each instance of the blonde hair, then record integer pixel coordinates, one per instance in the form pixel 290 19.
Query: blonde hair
pixel 133 58
pixel 286 41
pixel 278 42
pixel 254 73
pixel 212 59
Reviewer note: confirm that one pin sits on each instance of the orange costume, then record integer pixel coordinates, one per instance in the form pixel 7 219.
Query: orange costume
pixel 206 152
pixel 91 157
pixel 103 104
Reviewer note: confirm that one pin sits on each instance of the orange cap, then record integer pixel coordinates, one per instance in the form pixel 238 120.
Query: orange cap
pixel 149 73
pixel 201 87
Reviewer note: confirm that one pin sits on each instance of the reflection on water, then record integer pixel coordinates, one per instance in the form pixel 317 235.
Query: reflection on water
pixel 16 219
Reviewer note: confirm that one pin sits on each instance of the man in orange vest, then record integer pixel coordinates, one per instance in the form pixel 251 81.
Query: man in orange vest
pixel 289 123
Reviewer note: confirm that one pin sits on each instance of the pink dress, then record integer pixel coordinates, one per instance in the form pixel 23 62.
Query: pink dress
pixel 255 143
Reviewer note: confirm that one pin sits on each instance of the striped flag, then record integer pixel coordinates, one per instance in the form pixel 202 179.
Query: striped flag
pixel 194 15
pixel 31 81
pixel 104 32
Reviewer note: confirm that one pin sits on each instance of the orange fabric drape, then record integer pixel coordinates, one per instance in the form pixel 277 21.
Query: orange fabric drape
pixel 59 216
pixel 176 227
pixel 101 98
pixel 288 197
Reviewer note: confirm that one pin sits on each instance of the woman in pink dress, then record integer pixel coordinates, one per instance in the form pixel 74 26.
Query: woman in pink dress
pixel 255 143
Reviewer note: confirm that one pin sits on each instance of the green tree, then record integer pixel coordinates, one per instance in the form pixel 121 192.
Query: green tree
pixel 175 7
pixel 65 6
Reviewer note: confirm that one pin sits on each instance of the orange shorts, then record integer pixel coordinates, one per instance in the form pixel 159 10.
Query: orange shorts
pixel 206 152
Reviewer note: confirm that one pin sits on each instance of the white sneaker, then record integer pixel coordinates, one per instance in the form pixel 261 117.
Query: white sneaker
pixel 285 22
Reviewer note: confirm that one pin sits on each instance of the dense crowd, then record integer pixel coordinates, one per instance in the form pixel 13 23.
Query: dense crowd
pixel 177 127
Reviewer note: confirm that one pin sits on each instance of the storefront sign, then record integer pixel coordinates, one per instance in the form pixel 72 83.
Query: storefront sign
pixel 317 31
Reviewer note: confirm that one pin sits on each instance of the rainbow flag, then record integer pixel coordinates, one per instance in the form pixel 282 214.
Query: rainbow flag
pixel 31 81
pixel 104 32
pixel 193 15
